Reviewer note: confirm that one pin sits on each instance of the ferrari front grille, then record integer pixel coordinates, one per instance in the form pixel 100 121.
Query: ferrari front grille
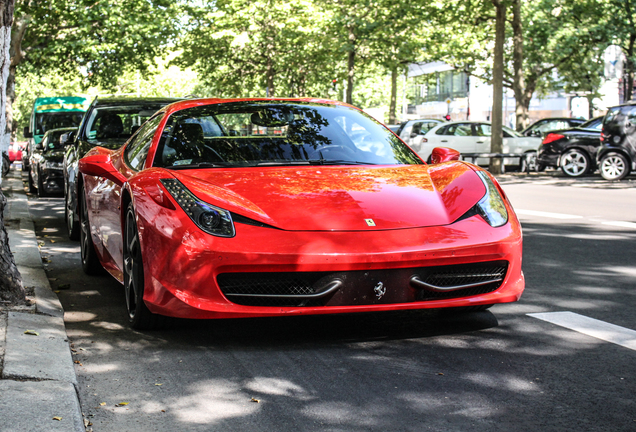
pixel 298 289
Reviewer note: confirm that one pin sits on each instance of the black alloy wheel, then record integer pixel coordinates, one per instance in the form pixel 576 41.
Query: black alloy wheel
pixel 575 163
pixel 72 226
pixel 90 262
pixel 41 192
pixel 139 315
pixel 614 166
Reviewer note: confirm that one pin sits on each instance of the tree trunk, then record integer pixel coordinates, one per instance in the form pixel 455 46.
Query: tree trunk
pixel 393 103
pixel 497 86
pixel 518 85
pixel 11 289
pixel 351 62
pixel 629 70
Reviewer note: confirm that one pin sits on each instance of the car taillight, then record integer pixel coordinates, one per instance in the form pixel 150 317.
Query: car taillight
pixel 424 140
pixel 552 137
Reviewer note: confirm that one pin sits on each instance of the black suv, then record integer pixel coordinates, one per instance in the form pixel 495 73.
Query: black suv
pixel 573 150
pixel 617 154
pixel 109 122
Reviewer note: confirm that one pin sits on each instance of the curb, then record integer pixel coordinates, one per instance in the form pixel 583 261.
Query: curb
pixel 38 386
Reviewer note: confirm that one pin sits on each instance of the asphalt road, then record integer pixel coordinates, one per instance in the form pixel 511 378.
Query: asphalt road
pixel 498 370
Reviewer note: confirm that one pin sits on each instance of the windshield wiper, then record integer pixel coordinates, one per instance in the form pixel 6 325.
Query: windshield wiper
pixel 202 165
pixel 337 162
pixel 277 163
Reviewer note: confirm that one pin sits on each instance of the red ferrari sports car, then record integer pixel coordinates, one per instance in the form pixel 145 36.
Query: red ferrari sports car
pixel 222 208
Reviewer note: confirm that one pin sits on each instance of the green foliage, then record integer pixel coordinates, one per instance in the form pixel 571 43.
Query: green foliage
pixel 103 38
pixel 242 47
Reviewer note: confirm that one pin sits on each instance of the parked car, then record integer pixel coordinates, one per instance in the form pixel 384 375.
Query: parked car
pixel 541 127
pixel 45 164
pixel 616 155
pixel 269 207
pixel 573 150
pixel 475 137
pixel 412 131
pixel 51 113
pixel 15 151
pixel 109 122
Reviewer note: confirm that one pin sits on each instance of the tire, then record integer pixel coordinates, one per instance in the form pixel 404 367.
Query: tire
pixel 41 192
pixel 529 162
pixel 575 163
pixel 6 164
pixel 32 187
pixel 614 166
pixel 90 262
pixel 139 316
pixel 540 167
pixel 72 226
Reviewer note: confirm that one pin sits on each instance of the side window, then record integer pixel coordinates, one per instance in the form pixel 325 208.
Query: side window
pixel 459 129
pixel 427 127
pixel 417 127
pixel 482 129
pixel 631 116
pixel 442 130
pixel 137 149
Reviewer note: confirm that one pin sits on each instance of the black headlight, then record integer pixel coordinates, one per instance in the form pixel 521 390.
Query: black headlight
pixel 211 219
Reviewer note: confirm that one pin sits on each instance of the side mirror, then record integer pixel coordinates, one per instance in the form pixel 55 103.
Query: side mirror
pixel 27 133
pixel 413 135
pixel 100 165
pixel 67 138
pixel 444 154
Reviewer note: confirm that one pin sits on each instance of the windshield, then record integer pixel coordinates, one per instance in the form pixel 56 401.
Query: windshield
pixel 596 124
pixel 512 132
pixel 51 140
pixel 117 123
pixel 264 133
pixel 56 120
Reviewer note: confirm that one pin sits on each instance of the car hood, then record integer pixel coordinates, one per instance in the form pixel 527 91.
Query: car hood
pixel 53 155
pixel 341 198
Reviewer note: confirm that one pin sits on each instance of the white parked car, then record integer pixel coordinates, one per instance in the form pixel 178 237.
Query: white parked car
pixel 412 130
pixel 474 137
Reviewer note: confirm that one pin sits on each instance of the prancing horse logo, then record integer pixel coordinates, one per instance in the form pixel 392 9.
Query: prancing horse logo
pixel 379 290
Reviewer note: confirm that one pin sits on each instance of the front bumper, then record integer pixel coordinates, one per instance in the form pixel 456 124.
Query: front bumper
pixel 182 277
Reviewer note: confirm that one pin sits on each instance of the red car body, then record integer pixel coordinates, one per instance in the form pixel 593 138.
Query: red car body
pixel 368 233
pixel 15 151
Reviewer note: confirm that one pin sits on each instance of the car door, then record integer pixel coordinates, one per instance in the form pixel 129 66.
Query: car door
pixel 130 161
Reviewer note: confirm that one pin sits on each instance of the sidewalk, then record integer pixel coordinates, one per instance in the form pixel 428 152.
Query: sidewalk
pixel 38 381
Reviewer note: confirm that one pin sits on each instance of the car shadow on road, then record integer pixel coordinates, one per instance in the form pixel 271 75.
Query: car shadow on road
pixel 358 327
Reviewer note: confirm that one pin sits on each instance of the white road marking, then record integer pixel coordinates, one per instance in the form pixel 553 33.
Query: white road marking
pixel 547 214
pixel 592 327
pixel 621 224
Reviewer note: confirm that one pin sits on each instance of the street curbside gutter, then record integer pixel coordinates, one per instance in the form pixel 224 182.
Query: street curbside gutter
pixel 38 389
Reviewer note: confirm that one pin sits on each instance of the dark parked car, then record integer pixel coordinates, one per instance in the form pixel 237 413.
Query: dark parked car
pixel 617 154
pixel 543 126
pixel 573 150
pixel 109 122
pixel 45 164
